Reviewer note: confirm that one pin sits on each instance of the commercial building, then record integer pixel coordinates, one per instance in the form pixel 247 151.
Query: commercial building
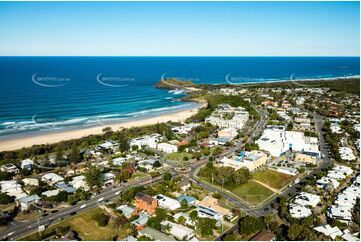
pixel 306 158
pixel 167 148
pixel 251 160
pixel 226 116
pixel 276 140
pixel 228 133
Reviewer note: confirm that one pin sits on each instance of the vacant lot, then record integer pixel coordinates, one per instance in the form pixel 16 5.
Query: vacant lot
pixel 273 178
pixel 87 228
pixel 251 192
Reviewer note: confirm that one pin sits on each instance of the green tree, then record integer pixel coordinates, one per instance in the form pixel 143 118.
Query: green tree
pixel 294 232
pixel 205 226
pixel 249 225
pixel 74 156
pixel 101 218
pixel 5 199
pixel 181 220
pixel 167 176
pixel 93 177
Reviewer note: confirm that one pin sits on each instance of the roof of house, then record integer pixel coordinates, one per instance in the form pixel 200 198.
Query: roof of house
pixel 189 199
pixel 263 236
pixel 144 197
pixel 157 235
pixel 29 199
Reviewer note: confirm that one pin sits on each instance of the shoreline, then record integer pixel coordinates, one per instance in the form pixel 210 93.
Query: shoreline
pixel 54 137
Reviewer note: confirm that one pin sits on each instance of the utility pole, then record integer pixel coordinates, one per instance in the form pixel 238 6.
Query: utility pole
pixel 222 183
pixel 212 179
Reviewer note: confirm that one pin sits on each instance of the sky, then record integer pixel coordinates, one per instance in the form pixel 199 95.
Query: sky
pixel 179 28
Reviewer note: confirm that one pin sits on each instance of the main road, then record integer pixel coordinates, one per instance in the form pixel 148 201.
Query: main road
pixel 21 229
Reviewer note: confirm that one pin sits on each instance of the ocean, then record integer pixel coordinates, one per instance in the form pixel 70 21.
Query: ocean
pixel 44 94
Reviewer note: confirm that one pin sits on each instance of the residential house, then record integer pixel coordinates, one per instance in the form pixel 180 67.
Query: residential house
pixel 30 182
pixel 145 203
pixel 179 232
pixel 156 235
pixel 27 164
pixel 299 211
pixel 307 199
pixel 26 201
pixel 127 211
pixel 10 168
pixel 327 230
pixel 167 202
pixel 51 178
pixel 141 221
pixel 191 201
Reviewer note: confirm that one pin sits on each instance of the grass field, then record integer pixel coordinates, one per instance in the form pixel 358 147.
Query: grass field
pixel 87 228
pixel 273 178
pixel 178 156
pixel 252 192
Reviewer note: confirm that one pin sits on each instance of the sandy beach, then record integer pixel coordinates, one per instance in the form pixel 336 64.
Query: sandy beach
pixel 49 138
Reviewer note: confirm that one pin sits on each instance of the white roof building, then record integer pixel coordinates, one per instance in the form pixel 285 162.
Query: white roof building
pixel 326 181
pixel 79 182
pixel 327 230
pixel 31 182
pixel 50 193
pixel 184 129
pixel 9 167
pixel 335 128
pixel 126 210
pixel 179 232
pixel 51 178
pixel 26 201
pixel 299 211
pixel 226 116
pixel 307 199
pixel 26 164
pixel 204 212
pixel 167 148
pixel 249 159
pixel 12 188
pixel 119 161
pixel 343 214
pixel 189 221
pixel 167 202
pixel 147 140
pixel 276 140
pixel 346 154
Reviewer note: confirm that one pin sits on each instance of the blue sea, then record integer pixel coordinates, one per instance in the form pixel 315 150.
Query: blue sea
pixel 45 94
